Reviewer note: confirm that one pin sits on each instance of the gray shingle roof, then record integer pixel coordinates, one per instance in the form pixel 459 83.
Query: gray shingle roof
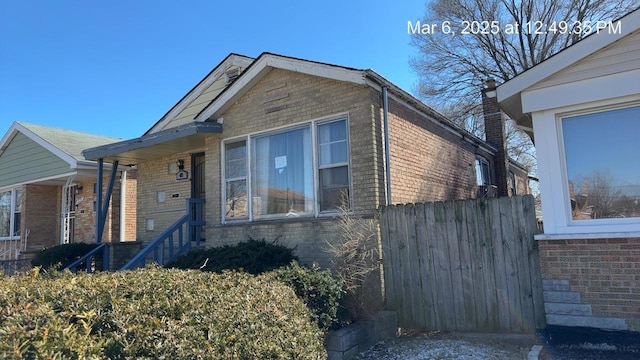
pixel 69 141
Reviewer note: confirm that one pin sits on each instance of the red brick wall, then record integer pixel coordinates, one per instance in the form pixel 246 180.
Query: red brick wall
pixel 605 271
pixel 428 162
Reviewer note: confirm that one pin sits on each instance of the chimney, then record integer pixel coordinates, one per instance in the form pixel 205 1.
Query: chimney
pixel 496 136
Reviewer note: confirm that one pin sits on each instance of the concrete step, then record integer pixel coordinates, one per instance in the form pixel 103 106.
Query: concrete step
pixel 568 309
pixel 567 297
pixel 587 321
pixel 556 285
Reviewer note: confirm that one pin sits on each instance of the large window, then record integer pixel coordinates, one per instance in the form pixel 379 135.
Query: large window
pixel 299 171
pixel 602 157
pixel 10 212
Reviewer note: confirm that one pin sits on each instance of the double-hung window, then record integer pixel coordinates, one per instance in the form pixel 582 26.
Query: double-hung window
pixel 10 214
pixel 333 165
pixel 298 171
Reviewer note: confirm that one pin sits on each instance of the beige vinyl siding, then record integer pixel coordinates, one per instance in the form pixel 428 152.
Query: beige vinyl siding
pixel 189 113
pixel 618 57
pixel 24 160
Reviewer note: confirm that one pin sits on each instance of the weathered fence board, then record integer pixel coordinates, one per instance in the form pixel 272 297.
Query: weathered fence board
pixel 466 265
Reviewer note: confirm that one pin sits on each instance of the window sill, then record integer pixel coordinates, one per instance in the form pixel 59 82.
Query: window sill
pixel 587 236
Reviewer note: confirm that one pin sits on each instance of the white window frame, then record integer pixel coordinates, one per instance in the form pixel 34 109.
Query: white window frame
pixel 12 211
pixel 554 185
pixel 312 125
pixel 480 160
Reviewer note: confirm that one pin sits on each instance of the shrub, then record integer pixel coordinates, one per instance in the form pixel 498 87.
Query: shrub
pixel 154 313
pixel 319 290
pixel 252 256
pixel 64 255
pixel 356 260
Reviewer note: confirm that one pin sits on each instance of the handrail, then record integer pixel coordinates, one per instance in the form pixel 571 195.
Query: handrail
pixel 73 267
pixel 163 243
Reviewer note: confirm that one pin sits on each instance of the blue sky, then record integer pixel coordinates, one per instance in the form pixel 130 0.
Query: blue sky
pixel 115 67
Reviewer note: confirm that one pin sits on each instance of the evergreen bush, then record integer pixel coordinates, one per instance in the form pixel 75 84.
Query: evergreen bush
pixel 252 256
pixel 63 255
pixel 154 313
pixel 319 290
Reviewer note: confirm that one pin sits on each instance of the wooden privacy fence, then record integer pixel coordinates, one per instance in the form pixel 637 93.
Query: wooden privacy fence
pixel 469 265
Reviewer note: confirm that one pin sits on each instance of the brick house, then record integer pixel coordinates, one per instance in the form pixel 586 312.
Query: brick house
pixel 582 107
pixel 275 144
pixel 47 191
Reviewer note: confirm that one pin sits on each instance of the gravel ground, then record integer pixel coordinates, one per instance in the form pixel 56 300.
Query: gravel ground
pixel 435 346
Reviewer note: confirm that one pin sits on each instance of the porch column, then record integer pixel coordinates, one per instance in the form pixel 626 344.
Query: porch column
pixel 102 206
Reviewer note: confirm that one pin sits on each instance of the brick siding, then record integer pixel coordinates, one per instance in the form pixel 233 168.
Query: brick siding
pixel 41 216
pixel 428 162
pixel 154 177
pixel 605 271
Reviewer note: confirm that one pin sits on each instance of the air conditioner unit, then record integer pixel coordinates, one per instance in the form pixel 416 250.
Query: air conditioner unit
pixel 487 191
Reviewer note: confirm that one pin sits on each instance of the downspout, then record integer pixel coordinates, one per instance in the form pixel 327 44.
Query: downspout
pixel 387 152
pixel 123 204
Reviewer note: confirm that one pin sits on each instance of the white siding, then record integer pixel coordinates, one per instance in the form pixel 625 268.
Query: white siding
pixel 621 56
pixel 188 114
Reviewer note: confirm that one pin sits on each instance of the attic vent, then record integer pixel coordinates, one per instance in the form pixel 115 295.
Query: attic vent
pixel 232 75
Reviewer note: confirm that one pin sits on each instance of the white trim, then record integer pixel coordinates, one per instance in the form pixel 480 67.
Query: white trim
pixel 221 69
pixel 554 188
pixel 261 67
pixel 567 57
pixel 54 177
pixel 578 236
pixel 312 125
pixel 581 92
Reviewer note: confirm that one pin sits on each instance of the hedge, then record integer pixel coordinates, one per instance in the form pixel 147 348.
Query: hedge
pixel 154 313
pixel 252 256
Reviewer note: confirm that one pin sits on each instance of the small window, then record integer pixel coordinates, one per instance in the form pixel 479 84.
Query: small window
pixel 235 168
pixel 10 214
pixel 512 183
pixel 482 172
pixel 333 165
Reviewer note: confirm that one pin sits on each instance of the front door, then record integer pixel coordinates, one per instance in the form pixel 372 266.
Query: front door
pixel 198 186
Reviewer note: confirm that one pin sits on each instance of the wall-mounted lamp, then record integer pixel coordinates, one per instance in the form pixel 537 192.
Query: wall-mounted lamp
pixel 78 189
pixel 182 173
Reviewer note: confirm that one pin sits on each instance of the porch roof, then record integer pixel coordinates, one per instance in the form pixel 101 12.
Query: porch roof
pixel 156 145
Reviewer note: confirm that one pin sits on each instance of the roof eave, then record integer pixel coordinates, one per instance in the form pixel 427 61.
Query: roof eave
pixel 123 151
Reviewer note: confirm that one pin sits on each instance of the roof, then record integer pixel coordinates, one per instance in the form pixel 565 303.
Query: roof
pixel 231 60
pixel 208 119
pixel 509 93
pixel 66 144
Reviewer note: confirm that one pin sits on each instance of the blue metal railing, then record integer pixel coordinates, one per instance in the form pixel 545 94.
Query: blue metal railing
pixel 174 241
pixel 90 259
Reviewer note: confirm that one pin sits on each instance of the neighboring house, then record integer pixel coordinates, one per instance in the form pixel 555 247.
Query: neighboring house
pixel 582 107
pixel 47 191
pixel 275 144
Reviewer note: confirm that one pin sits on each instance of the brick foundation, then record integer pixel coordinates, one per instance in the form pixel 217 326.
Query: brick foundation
pixel 606 272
